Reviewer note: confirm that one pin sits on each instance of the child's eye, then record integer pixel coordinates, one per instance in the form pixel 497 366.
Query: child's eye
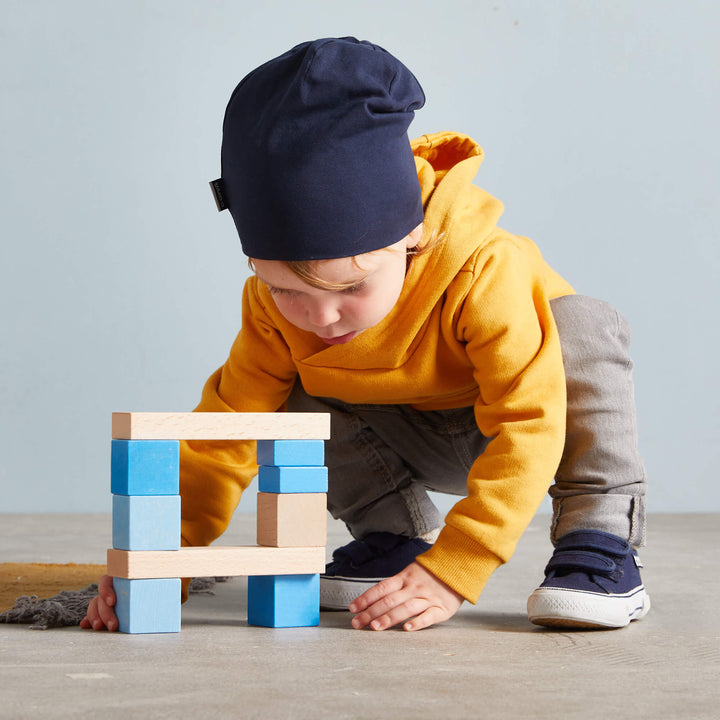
pixel 356 288
pixel 279 291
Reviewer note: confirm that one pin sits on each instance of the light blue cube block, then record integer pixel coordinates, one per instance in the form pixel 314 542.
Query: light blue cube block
pixel 291 452
pixel 148 606
pixel 284 600
pixel 145 467
pixel 146 522
pixel 272 479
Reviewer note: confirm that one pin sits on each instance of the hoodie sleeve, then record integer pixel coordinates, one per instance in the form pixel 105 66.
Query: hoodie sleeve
pixel 257 377
pixel 506 324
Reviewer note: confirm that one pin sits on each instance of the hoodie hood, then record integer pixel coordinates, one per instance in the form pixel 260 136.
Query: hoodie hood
pixel 435 155
pixel 459 216
pixel 446 164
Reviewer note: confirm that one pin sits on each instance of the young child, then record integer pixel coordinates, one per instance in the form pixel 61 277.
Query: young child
pixel 444 347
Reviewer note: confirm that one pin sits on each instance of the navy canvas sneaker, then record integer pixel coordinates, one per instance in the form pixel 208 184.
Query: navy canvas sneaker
pixel 592 581
pixel 362 563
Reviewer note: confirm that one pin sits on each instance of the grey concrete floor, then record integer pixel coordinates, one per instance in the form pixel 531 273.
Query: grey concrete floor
pixel 487 662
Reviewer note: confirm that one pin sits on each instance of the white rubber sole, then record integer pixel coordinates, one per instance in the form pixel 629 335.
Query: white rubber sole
pixel 559 607
pixel 336 592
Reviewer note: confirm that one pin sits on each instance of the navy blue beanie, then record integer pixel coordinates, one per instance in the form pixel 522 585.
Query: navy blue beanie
pixel 316 161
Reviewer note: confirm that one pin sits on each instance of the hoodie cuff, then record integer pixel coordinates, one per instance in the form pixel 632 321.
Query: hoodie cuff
pixel 460 562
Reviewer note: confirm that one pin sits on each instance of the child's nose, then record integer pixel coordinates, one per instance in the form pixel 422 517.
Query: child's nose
pixel 323 313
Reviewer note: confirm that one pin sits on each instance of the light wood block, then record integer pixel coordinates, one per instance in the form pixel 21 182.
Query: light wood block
pixel 215 561
pixel 220 426
pixel 291 519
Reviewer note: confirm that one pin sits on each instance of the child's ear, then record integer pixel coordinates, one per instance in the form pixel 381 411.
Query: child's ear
pixel 414 237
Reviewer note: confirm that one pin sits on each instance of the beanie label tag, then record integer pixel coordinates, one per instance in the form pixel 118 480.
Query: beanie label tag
pixel 218 191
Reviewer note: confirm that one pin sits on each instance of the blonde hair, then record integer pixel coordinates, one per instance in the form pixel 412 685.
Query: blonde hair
pixel 307 270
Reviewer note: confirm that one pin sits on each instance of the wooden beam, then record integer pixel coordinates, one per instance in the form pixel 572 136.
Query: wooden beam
pixel 220 426
pixel 215 561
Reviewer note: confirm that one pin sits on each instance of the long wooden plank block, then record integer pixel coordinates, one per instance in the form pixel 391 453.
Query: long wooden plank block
pixel 215 561
pixel 220 426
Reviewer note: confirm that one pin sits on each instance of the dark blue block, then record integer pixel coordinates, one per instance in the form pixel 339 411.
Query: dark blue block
pixel 284 600
pixel 291 452
pixel 145 467
pixel 274 479
pixel 146 522
pixel 148 606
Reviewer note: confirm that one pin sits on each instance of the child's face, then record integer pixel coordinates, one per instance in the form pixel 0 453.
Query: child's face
pixel 337 316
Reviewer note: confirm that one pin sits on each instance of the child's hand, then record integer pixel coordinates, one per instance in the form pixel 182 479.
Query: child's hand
pixel 413 593
pixel 100 613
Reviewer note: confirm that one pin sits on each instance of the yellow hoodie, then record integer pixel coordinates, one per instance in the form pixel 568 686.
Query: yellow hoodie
pixel 472 327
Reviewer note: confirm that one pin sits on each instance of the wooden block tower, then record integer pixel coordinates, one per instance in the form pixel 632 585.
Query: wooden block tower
pixel 147 561
pixel 146 516
pixel 291 512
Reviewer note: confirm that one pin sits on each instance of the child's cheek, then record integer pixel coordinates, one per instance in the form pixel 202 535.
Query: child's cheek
pixel 284 305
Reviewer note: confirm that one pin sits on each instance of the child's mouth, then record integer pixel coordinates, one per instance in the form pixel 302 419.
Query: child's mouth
pixel 339 339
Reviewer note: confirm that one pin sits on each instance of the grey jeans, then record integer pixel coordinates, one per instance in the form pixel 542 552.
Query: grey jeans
pixel 383 459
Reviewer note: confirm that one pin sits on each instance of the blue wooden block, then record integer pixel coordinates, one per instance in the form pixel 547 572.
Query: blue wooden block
pixel 274 479
pixel 291 452
pixel 284 600
pixel 145 467
pixel 146 522
pixel 148 606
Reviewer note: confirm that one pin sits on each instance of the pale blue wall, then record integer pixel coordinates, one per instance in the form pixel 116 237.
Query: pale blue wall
pixel 120 284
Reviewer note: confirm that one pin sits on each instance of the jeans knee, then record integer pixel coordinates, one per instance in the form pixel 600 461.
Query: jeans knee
pixel 583 320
